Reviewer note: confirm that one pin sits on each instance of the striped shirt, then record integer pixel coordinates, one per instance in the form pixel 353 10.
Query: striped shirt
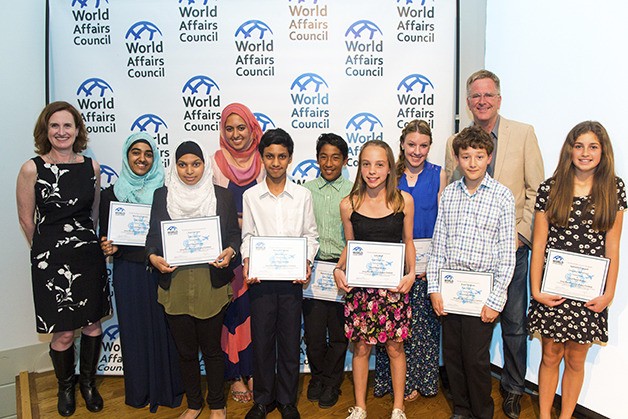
pixel 475 233
pixel 326 197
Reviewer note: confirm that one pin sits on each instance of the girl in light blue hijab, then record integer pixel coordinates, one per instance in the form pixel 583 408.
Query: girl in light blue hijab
pixel 151 369
pixel 138 179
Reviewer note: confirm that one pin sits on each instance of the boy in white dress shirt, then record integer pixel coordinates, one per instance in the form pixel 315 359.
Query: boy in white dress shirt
pixel 276 207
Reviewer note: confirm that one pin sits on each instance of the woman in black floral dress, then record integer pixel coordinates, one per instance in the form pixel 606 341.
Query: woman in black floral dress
pixel 580 210
pixel 57 198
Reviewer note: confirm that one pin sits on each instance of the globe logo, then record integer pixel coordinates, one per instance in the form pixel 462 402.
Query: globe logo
pixel 84 3
pixel 172 230
pixel 305 170
pixel 146 121
pixel 308 79
pixel 251 26
pixel 107 176
pixel 558 259
pixel 449 278
pixel 111 332
pixel 358 121
pixel 260 246
pixel 264 121
pixel 140 28
pixel 358 28
pixel 190 2
pixel 358 251
pixel 198 82
pixel 411 1
pixel 88 86
pixel 410 81
pixel 119 211
pixel 303 1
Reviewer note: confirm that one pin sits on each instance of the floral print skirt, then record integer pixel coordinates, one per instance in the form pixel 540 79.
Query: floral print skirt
pixel 376 315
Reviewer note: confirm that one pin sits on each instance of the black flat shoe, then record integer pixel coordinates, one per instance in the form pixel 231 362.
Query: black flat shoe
pixel 288 411
pixel 329 397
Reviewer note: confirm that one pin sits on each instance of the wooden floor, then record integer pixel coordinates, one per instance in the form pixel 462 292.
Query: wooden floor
pixel 43 402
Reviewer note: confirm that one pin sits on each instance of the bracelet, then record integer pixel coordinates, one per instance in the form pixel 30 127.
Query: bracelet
pixel 338 268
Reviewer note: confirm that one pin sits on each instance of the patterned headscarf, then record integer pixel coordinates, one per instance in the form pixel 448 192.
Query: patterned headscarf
pixel 134 188
pixel 240 167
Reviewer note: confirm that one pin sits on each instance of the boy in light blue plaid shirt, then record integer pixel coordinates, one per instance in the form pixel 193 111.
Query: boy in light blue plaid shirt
pixel 475 232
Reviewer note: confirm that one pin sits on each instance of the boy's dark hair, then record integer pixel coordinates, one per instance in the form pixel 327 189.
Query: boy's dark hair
pixel 474 137
pixel 276 136
pixel 333 140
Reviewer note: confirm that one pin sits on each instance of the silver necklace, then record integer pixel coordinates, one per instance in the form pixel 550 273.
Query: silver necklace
pixel 72 159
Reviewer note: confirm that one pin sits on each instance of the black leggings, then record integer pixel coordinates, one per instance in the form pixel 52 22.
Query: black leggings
pixel 189 335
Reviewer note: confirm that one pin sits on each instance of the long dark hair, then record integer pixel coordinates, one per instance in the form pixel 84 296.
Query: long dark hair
pixel 604 190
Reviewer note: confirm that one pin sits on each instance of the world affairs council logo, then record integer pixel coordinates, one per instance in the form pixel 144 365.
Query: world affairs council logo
pixel 255 47
pixel 172 231
pixel 145 48
pixel 97 105
pixel 558 260
pixel 311 100
pixel 149 123
pixel 119 211
pixel 415 94
pixel 108 176
pixel 201 99
pixel 357 251
pixel 365 48
pixel 84 3
pixel 111 357
pixel 361 27
pixel 360 128
pixel 141 30
pixel 194 2
pixel 422 2
pixel 252 27
pixel 358 121
pixel 91 28
pixel 448 279
pixel 264 121
pixel 86 89
pixel 304 171
pixel 310 82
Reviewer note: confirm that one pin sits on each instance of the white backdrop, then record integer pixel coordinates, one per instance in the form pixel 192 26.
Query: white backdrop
pixel 561 63
pixel 361 69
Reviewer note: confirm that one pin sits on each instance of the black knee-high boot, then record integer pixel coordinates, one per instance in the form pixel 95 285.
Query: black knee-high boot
pixel 63 363
pixel 90 352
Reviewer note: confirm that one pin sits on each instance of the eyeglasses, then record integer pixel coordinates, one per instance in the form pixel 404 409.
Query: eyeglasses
pixel 487 96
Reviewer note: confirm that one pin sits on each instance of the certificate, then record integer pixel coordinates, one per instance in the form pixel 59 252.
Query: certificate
pixel 128 223
pixel 191 241
pixel 278 258
pixel 574 275
pixel 375 264
pixel 422 246
pixel 464 292
pixel 322 285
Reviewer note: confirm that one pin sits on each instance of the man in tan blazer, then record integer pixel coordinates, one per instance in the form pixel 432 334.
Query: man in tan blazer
pixel 517 164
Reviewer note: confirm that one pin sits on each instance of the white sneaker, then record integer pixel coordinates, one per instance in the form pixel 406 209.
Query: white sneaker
pixel 398 414
pixel 357 413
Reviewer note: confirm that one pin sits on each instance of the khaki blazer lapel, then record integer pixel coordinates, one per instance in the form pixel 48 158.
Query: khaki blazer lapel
pixel 503 142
